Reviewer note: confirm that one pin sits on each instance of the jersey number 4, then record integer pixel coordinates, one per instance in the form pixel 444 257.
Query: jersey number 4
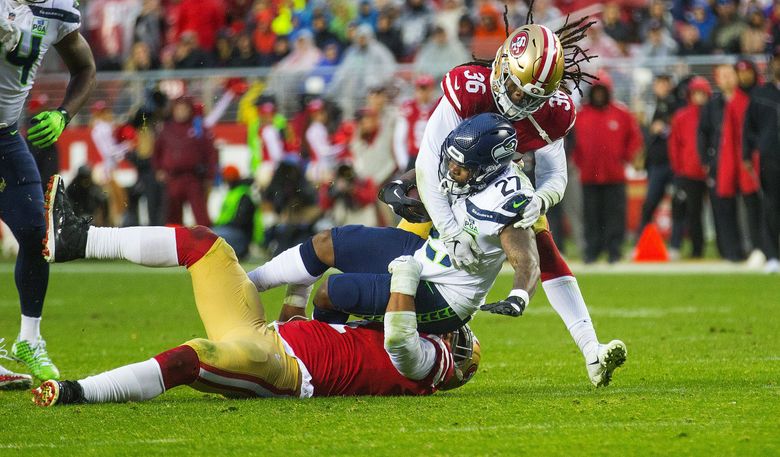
pixel 25 61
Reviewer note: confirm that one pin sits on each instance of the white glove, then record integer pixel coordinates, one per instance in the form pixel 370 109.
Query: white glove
pixel 406 275
pixel 463 251
pixel 532 211
pixel 9 34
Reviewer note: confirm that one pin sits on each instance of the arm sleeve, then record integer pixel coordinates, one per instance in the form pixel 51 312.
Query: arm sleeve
pixel 442 121
pixel 219 109
pixel 413 356
pixel 400 151
pixel 550 172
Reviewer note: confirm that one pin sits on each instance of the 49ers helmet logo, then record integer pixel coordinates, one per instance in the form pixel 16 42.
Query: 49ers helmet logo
pixel 519 43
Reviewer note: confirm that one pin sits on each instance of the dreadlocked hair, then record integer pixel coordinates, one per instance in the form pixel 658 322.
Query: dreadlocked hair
pixel 573 54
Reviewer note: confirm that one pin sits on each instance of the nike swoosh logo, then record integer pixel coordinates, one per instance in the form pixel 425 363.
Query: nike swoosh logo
pixel 397 194
pixel 516 205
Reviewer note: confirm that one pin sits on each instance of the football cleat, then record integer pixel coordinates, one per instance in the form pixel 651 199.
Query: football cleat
pixel 10 380
pixel 51 393
pixel 36 358
pixel 609 357
pixel 66 233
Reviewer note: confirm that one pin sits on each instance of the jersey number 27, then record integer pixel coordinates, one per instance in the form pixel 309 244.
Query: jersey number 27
pixel 25 61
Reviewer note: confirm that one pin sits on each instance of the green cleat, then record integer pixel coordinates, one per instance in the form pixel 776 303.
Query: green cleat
pixel 10 380
pixel 36 358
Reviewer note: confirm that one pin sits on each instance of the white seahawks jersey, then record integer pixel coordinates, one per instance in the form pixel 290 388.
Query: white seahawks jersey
pixel 42 25
pixel 483 215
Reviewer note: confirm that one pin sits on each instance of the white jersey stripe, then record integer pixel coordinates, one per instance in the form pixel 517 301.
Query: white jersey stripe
pixel 240 383
pixel 549 53
pixel 450 91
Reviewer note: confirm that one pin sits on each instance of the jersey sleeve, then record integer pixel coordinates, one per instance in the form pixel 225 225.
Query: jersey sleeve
pixel 67 14
pixel 413 356
pixel 467 88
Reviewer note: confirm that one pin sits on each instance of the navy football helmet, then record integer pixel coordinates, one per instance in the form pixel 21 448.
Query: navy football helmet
pixel 484 144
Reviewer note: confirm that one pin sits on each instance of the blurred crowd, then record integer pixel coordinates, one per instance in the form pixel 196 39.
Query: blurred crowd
pixel 334 120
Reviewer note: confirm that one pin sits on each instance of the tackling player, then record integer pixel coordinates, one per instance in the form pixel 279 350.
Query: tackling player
pixel 27 30
pixel 244 356
pixel 484 190
pixel 522 83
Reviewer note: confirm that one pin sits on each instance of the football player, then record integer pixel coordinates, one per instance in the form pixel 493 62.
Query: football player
pixel 244 355
pixel 485 192
pixel 523 83
pixel 27 30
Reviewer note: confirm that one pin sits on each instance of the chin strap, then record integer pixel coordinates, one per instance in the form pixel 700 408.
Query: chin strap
pixel 539 129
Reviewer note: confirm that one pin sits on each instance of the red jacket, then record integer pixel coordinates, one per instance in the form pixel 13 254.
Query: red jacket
pixel 179 151
pixel 732 175
pixel 606 140
pixel 204 17
pixel 682 145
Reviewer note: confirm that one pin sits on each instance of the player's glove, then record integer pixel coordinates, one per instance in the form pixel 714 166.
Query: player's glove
pixel 513 305
pixel 9 34
pixel 394 195
pixel 531 212
pixel 463 251
pixel 47 128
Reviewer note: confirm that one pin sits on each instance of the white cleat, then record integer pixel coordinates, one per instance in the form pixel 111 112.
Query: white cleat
pixel 609 357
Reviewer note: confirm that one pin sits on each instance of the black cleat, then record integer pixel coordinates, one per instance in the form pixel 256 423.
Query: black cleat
pixel 66 233
pixel 52 393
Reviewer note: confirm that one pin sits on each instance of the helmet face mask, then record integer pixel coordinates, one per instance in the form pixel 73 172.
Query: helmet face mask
pixel 466 354
pixel 484 145
pixel 531 61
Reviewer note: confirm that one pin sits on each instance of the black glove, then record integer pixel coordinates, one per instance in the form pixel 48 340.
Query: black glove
pixel 394 195
pixel 510 306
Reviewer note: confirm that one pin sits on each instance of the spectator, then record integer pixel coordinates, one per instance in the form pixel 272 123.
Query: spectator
pixel 266 140
pixel 659 173
pixel 280 51
pixel 150 26
pixel 264 39
pixel 689 174
pixel 236 220
pixel 612 21
pixel 690 43
pixel 349 199
pixel 545 13
pixel 141 59
pixel 389 35
pixel 371 147
pixel 439 54
pixel 244 54
pixel 359 69
pixel 146 186
pixel 607 140
pixel 657 13
pixel 289 74
pixel 185 162
pixel 449 16
pixel 204 18
pixel 755 36
pixel 188 55
pixel 411 122
pixel 659 43
pixel 702 17
pixel 728 29
pixel 415 20
pixel 733 177
pixel 317 146
pixel 112 150
pixel 322 33
pixel 366 14
pixel 489 31
pixel 466 30
pixel 224 50
pixel 710 130
pixel 761 133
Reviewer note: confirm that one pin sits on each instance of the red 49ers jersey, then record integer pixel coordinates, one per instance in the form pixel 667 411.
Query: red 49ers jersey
pixel 467 88
pixel 416 116
pixel 345 360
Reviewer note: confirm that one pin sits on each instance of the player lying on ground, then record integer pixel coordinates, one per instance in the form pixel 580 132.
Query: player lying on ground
pixel 523 83
pixel 447 297
pixel 245 356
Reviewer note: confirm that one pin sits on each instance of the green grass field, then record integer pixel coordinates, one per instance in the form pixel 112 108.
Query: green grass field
pixel 702 378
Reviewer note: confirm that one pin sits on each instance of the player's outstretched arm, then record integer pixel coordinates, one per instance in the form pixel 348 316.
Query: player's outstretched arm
pixel 411 355
pixel 551 178
pixel 75 52
pixel 520 248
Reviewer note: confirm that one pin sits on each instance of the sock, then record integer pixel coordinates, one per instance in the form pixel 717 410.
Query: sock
pixel 551 263
pixel 150 246
pixel 297 295
pixel 179 366
pixel 565 297
pixel 30 329
pixel 286 268
pixel 136 382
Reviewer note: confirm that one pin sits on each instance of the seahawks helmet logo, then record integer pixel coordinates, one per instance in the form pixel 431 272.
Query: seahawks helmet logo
pixel 506 148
